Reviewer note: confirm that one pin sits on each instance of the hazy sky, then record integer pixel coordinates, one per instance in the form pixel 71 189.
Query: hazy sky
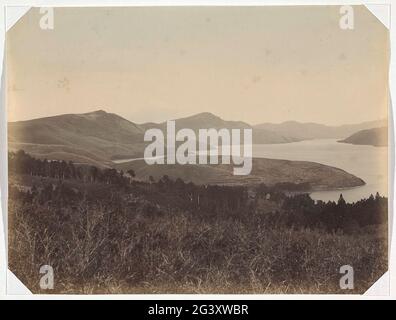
pixel 256 64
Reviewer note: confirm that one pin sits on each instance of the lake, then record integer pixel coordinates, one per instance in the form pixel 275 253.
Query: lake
pixel 366 162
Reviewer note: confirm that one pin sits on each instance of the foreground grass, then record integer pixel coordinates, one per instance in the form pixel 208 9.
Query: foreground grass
pixel 99 249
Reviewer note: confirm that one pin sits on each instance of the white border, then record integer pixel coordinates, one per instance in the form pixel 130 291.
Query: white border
pixel 84 3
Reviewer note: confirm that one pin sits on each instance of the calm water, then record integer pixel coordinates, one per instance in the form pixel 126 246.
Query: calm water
pixel 366 162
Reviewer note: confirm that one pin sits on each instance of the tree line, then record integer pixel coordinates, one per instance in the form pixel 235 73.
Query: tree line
pixel 22 163
pixel 165 195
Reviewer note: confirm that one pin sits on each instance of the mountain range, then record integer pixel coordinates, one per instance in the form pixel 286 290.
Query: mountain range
pixel 207 120
pixel 100 138
pixel 93 137
pixel 307 131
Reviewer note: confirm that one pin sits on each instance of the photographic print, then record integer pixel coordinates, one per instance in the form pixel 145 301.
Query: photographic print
pixel 198 149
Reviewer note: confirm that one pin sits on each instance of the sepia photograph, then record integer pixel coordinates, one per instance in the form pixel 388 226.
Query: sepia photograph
pixel 198 149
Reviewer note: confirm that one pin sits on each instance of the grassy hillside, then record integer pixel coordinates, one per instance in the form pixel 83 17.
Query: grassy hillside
pixel 98 136
pixel 103 232
pixel 206 120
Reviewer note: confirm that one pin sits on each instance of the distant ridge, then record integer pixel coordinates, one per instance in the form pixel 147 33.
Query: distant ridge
pixel 306 131
pixel 98 135
pixel 375 137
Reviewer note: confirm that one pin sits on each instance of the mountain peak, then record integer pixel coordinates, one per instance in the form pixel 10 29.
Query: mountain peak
pixel 97 112
pixel 204 115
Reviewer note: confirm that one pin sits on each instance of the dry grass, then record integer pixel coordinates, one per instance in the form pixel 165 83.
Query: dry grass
pixel 95 248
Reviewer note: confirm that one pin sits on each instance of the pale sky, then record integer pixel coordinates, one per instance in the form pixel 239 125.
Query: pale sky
pixel 255 64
